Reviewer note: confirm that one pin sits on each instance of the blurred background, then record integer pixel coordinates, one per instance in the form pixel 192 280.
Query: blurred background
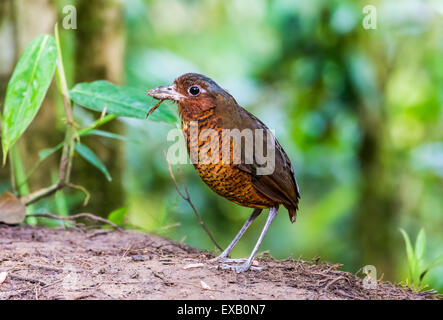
pixel 359 112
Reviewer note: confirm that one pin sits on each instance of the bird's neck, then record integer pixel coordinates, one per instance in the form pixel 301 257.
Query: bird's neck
pixel 194 112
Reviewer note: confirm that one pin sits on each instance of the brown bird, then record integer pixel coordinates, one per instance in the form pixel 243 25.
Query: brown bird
pixel 233 171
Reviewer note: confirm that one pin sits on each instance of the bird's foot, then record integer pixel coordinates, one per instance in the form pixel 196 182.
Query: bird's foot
pixel 242 264
pixel 240 268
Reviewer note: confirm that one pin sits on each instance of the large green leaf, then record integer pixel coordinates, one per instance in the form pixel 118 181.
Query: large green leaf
pixel 27 88
pixel 119 100
pixel 90 156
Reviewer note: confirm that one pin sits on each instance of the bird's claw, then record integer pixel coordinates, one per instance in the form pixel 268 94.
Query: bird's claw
pixel 221 259
pixel 240 268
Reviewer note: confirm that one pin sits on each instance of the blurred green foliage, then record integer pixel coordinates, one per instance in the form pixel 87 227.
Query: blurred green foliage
pixel 310 71
pixel 416 258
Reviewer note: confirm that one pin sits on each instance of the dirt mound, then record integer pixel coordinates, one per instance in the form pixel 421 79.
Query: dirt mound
pixel 46 263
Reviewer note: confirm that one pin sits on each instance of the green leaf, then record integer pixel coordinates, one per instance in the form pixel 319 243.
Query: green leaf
pixel 118 215
pixel 27 88
pixel 420 245
pixel 43 154
pixel 90 156
pixel 119 100
pixel 108 134
pixel 436 263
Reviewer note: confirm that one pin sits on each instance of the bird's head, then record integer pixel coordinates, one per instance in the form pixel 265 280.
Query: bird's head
pixel 193 92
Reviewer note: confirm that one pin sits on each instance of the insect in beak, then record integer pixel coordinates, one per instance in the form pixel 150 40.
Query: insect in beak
pixel 164 93
pixel 153 108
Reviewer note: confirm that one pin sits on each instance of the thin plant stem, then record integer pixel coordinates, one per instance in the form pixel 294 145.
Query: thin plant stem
pixel 185 196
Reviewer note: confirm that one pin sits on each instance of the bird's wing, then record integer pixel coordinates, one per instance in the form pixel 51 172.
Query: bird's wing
pixel 280 185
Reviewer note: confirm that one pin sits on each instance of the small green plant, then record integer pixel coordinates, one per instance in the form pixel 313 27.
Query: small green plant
pixel 416 262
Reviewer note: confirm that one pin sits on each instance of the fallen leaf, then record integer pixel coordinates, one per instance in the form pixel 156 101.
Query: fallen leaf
pixel 205 285
pixel 194 265
pixel 12 210
pixel 3 276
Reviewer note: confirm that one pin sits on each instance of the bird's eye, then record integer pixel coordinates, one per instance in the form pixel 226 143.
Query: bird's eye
pixel 194 90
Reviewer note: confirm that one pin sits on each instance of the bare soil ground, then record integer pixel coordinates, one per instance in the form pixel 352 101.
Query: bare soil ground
pixel 46 263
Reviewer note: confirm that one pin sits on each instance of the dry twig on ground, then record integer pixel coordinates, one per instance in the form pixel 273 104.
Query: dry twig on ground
pixel 75 217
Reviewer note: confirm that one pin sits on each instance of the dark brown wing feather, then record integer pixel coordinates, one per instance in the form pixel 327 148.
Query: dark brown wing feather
pixel 281 185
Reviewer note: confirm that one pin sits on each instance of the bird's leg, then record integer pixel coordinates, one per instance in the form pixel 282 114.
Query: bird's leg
pixel 223 257
pixel 245 266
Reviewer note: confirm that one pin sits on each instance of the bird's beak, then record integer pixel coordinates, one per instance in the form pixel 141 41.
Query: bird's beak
pixel 166 93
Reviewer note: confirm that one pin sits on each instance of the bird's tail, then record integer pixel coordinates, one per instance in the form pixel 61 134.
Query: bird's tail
pixel 292 213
